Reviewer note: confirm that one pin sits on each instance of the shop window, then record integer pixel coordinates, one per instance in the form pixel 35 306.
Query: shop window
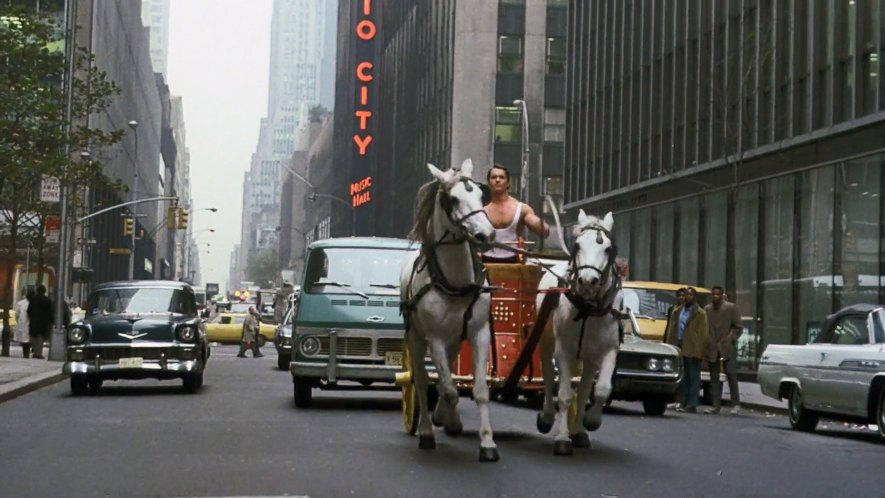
pixel 858 228
pixel 508 124
pixel 815 238
pixel 777 265
pixel 746 237
pixel 509 54
pixel 554 125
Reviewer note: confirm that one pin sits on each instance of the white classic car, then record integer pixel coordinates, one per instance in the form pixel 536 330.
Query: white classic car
pixel 841 375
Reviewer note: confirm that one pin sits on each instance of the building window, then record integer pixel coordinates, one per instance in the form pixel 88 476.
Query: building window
pixel 508 124
pixel 554 125
pixel 553 188
pixel 509 54
pixel 556 54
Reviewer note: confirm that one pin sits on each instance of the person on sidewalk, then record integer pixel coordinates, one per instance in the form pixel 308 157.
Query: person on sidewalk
pixel 725 328
pixel 251 326
pixel 41 320
pixel 688 330
pixel 22 324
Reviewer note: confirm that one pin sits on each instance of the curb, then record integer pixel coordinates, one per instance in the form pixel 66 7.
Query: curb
pixel 759 407
pixel 17 388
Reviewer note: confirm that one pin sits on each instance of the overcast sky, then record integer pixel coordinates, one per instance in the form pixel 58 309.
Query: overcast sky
pixel 218 63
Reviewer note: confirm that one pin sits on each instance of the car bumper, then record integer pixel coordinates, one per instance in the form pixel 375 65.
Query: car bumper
pixel 161 364
pixel 284 349
pixel 333 371
pixel 635 385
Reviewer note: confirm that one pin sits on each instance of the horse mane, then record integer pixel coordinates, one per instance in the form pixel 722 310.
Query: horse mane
pixel 424 204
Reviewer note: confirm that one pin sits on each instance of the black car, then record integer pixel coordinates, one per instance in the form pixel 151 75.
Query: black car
pixel 137 330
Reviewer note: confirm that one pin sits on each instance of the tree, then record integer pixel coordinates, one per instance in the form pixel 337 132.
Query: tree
pixel 262 264
pixel 37 135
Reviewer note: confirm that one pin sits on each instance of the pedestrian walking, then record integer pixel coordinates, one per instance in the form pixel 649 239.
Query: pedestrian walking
pixel 22 335
pixel 688 330
pixel 41 320
pixel 725 328
pixel 249 340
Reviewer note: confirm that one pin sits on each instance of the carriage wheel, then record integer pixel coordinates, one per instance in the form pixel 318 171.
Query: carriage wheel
pixel 410 398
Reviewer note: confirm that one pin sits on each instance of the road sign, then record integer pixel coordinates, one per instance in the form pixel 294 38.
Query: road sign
pixel 51 229
pixel 50 189
pixel 119 250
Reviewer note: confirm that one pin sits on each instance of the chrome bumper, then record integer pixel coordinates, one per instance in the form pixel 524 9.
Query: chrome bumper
pixel 333 371
pixel 169 364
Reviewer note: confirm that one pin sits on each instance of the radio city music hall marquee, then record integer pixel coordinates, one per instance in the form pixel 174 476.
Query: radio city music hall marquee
pixel 365 30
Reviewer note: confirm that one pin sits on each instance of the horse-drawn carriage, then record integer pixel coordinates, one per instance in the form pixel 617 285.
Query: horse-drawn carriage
pixel 487 321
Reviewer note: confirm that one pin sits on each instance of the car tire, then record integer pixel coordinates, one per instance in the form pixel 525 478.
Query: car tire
pixel 192 382
pixel 880 413
pixel 801 419
pixel 95 385
pixel 654 406
pixel 261 340
pixel 302 392
pixel 79 385
pixel 283 361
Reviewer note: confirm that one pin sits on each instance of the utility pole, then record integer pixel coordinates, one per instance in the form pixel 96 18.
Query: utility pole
pixel 134 126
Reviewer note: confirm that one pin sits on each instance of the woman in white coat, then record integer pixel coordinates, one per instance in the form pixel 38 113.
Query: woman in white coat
pixel 22 324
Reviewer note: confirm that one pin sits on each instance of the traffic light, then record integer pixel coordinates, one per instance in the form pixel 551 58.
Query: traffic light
pixel 128 226
pixel 182 218
pixel 170 217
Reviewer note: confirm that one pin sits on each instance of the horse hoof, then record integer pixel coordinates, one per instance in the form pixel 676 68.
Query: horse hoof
pixel 563 448
pixel 543 426
pixel 581 440
pixel 488 454
pixel 592 425
pixel 426 442
pixel 454 431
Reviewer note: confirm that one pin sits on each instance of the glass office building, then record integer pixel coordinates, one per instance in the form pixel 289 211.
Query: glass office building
pixel 738 143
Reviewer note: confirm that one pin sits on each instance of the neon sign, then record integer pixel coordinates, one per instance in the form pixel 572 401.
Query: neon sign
pixel 359 191
pixel 365 31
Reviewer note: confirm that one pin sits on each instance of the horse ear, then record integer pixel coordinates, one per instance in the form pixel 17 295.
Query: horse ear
pixel 467 168
pixel 436 172
pixel 608 221
pixel 582 219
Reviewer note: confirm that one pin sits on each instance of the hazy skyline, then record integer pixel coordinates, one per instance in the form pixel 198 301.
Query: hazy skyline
pixel 219 52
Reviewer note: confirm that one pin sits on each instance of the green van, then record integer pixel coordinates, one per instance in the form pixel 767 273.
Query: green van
pixel 347 325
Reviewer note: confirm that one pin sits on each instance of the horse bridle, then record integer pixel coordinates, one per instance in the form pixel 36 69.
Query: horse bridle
pixel 445 201
pixel 604 272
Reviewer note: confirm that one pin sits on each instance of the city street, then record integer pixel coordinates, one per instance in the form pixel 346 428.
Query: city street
pixel 242 436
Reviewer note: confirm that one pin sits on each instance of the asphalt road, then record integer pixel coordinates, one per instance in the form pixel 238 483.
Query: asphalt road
pixel 242 436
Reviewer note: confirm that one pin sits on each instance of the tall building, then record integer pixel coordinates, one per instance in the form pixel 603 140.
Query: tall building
pixel 155 17
pixel 738 144
pixel 301 62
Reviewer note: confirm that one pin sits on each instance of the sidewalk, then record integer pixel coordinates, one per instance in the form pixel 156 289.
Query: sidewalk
pixel 20 375
pixel 752 397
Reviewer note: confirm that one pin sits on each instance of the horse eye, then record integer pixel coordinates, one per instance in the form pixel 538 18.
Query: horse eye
pixel 455 200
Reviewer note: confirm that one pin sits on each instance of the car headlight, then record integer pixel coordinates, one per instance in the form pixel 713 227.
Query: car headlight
pixel 652 364
pixel 187 333
pixel 310 346
pixel 667 365
pixel 77 335
pixel 286 332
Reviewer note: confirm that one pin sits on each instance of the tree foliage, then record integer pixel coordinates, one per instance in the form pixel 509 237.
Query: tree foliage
pixel 262 265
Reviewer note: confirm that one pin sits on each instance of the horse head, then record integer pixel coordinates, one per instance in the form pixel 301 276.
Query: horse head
pixel 593 255
pixel 461 201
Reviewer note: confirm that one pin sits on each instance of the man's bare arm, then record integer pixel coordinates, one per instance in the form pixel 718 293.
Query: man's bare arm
pixel 534 222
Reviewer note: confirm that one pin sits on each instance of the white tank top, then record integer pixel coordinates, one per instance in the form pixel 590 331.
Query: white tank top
pixel 505 235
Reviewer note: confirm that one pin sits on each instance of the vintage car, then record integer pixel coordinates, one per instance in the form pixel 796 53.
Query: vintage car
pixel 347 326
pixel 646 371
pixel 137 330
pixel 841 375
pixel 282 338
pixel 228 328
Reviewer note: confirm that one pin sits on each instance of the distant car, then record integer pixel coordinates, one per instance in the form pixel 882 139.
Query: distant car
pixel 228 328
pixel 137 330
pixel 646 371
pixel 841 375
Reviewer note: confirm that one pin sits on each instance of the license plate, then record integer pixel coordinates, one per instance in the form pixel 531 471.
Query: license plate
pixel 135 362
pixel 393 358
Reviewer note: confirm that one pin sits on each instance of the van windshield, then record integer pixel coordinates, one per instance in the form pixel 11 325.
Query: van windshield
pixel 355 271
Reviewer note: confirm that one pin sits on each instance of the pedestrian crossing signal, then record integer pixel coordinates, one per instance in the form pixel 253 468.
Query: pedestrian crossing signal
pixel 182 218
pixel 128 226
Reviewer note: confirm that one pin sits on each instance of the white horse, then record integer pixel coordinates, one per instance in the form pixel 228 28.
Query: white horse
pixel 445 299
pixel 585 331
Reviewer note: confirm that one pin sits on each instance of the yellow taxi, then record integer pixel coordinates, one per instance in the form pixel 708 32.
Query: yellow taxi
pixel 651 302
pixel 228 327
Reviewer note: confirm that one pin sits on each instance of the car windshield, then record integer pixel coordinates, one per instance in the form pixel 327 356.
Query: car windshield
pixel 240 307
pixel 355 271
pixel 654 303
pixel 144 300
pixel 226 319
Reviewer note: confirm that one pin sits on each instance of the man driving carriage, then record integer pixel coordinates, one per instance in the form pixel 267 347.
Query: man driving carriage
pixel 509 217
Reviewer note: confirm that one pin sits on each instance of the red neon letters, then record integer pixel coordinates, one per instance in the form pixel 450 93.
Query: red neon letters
pixel 359 191
pixel 365 30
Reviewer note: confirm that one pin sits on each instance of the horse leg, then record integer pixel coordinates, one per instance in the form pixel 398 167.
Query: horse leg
pixel 446 408
pixel 580 439
pixel 545 349
pixel 417 347
pixel 562 443
pixel 593 417
pixel 488 451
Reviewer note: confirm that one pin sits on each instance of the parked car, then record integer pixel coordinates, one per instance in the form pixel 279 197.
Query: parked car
pixel 646 371
pixel 841 375
pixel 137 330
pixel 228 328
pixel 282 337
pixel 347 326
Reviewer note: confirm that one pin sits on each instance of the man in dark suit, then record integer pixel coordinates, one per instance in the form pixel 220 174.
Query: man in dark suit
pixel 40 316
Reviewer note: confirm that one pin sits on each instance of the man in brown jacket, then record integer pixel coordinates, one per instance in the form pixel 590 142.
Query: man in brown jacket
pixel 688 330
pixel 725 328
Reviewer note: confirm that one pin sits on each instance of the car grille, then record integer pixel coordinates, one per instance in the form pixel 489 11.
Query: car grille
pixel 627 361
pixel 388 344
pixel 348 346
pixel 115 353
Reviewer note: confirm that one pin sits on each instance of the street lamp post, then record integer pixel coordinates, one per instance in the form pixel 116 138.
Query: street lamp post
pixel 524 173
pixel 313 198
pixel 134 126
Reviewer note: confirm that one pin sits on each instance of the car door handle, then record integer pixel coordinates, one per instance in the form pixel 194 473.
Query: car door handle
pixel 375 319
pixel 823 356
